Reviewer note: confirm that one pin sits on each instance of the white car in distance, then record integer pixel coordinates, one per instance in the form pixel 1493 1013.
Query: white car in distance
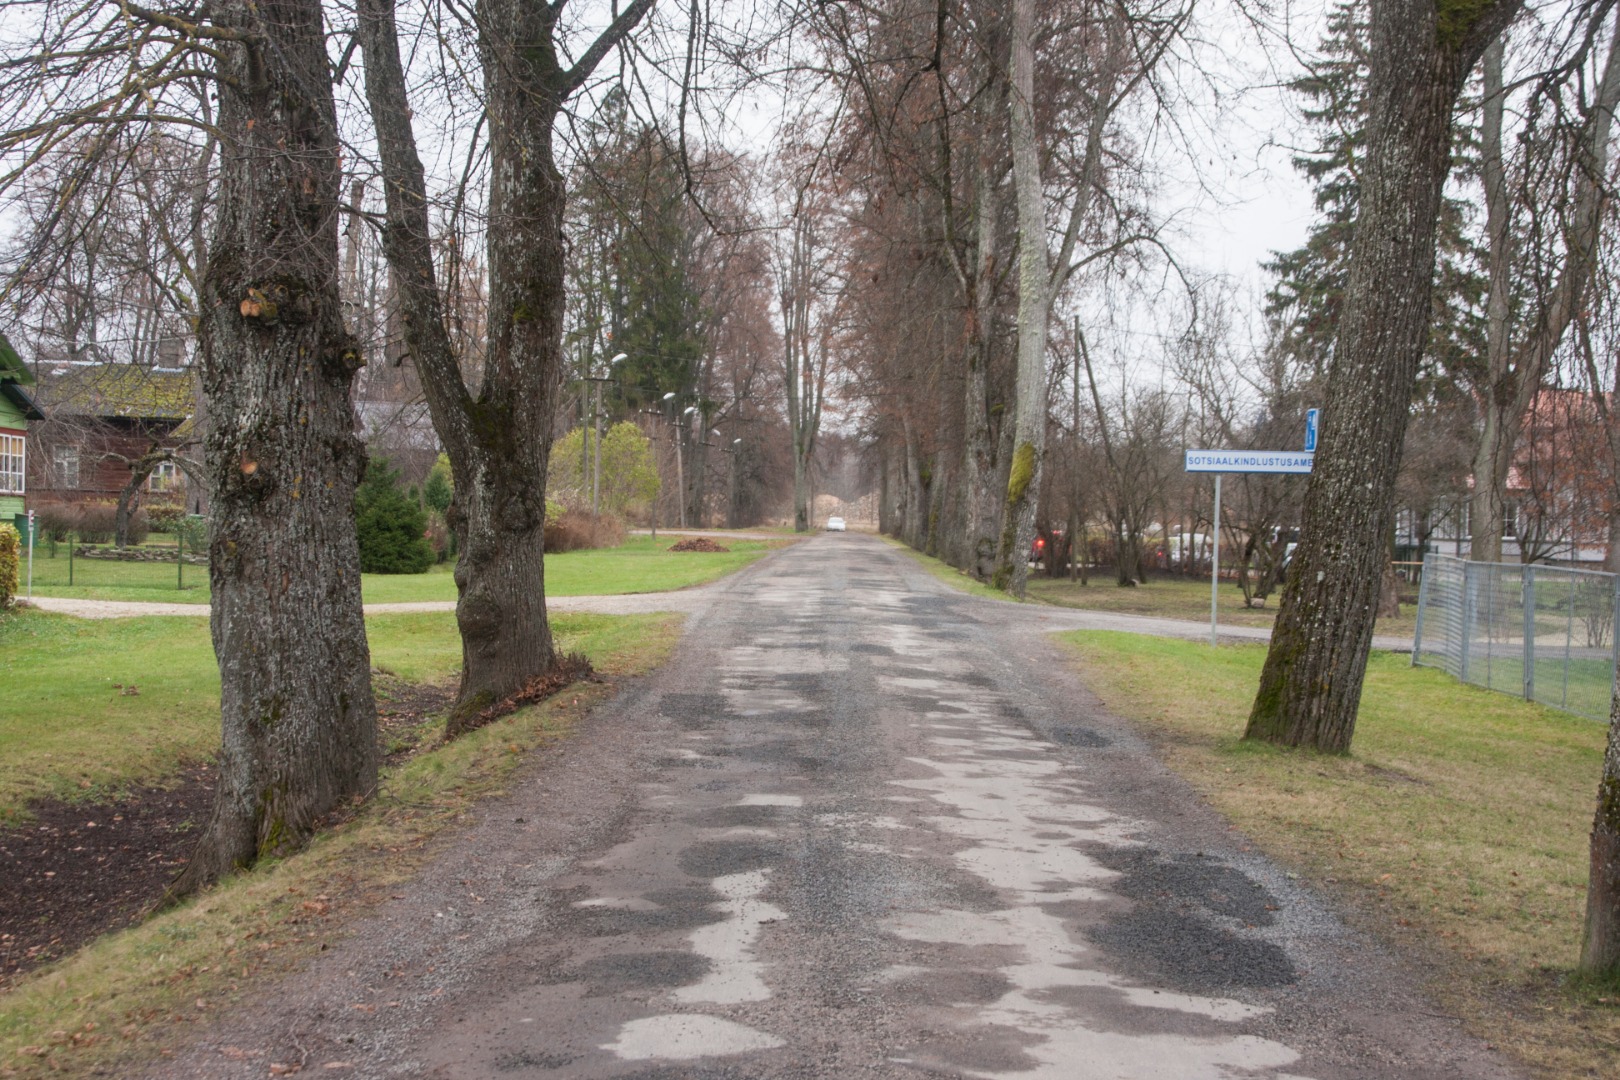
pixel 835 524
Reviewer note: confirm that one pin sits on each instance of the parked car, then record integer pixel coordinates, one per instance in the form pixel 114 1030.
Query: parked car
pixel 835 524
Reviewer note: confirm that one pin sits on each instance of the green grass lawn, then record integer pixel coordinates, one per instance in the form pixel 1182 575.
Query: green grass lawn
pixel 640 564
pixel 115 1006
pixel 1181 598
pixel 1457 826
pixel 93 705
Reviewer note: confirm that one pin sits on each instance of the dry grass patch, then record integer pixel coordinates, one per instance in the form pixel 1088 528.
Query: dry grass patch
pixel 1457 829
pixel 130 995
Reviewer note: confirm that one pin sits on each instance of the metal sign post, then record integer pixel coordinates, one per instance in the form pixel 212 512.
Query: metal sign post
pixel 31 531
pixel 1244 461
pixel 1215 569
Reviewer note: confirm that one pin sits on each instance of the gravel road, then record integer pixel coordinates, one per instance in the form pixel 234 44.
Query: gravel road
pixel 859 826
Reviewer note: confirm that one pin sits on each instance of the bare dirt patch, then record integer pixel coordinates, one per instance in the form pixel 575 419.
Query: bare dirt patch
pixel 78 870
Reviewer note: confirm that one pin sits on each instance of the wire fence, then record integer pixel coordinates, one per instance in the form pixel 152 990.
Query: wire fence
pixel 1544 633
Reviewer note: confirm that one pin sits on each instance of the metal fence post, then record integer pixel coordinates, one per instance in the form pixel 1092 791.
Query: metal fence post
pixel 1614 637
pixel 1423 602
pixel 1467 618
pixel 1527 597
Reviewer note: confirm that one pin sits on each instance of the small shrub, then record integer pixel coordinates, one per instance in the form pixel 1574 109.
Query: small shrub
pixel 576 530
pixel 10 559
pixel 97 523
pixel 162 517
pixel 391 527
pixel 192 531
pixel 55 520
pixel 438 489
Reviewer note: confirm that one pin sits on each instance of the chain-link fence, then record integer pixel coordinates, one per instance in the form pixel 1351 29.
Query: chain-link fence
pixel 1543 633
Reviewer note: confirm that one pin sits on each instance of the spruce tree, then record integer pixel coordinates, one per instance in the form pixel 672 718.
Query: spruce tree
pixel 1308 294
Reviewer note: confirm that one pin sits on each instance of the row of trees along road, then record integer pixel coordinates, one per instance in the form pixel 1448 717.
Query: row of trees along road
pixel 994 162
pixel 963 174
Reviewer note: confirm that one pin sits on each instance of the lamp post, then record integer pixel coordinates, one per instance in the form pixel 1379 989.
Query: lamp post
pixel 680 477
pixel 675 438
pixel 735 450
pixel 596 429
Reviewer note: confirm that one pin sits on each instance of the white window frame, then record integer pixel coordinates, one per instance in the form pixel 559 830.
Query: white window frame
pixel 165 477
pixel 61 458
pixel 13 448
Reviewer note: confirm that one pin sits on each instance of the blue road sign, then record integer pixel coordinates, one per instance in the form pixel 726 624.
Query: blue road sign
pixel 1310 430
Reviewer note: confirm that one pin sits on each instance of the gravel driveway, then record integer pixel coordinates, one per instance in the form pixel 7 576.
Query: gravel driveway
pixel 860 825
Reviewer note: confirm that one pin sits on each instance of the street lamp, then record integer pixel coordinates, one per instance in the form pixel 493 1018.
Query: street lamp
pixel 588 460
pixel 670 397
pixel 680 472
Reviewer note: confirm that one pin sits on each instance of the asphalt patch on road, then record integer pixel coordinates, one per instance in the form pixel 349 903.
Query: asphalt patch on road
pixel 1075 735
pixel 871 650
pixel 694 712
pixel 1177 949
pixel 1150 877
pixel 689 1072
pixel 718 858
pixel 786 754
pixel 616 973
pixel 533 1059
pixel 952 988
pixel 681 909
pixel 738 817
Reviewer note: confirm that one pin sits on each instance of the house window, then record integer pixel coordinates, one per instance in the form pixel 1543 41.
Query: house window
pixel 11 464
pixel 164 477
pixel 66 462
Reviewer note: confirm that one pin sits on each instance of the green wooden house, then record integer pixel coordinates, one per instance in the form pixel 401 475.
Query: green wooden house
pixel 17 408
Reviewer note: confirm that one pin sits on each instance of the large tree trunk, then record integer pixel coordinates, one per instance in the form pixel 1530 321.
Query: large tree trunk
pixel 1034 309
pixel 981 494
pixel 499 441
pixel 298 718
pixel 1600 944
pixel 1504 399
pixel 1310 687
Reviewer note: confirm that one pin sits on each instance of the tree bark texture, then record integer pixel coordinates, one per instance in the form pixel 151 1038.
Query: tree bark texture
pixel 1310 688
pixel 981 469
pixel 1494 452
pixel 1600 944
pixel 297 713
pixel 1034 309
pixel 499 439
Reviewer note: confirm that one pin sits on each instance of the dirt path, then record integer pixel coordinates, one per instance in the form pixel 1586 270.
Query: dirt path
pixel 859 826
